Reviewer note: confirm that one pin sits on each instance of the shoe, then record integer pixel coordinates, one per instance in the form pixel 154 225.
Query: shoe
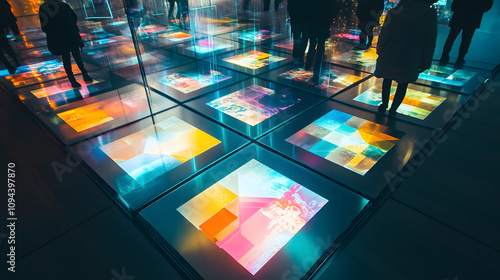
pixel 12 70
pixel 381 108
pixel 298 61
pixel 444 58
pixel 460 61
pixel 87 78
pixel 74 83
pixel 392 113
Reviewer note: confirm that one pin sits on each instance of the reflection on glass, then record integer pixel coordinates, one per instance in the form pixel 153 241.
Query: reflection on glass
pixel 188 82
pixel 155 150
pixel 364 58
pixel 447 76
pixel 253 59
pixel 253 104
pixel 416 104
pixel 330 79
pixel 351 142
pixel 92 115
pixel 252 213
pixel 256 35
pixel 65 89
pixel 208 45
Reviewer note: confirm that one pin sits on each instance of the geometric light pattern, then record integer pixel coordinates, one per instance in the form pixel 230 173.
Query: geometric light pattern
pixel 252 213
pixel 188 82
pixel 155 150
pixel 97 113
pixel 253 104
pixel 257 36
pixel 416 103
pixel 207 45
pixel 446 75
pixel 351 142
pixel 331 80
pixel 253 59
pixel 364 58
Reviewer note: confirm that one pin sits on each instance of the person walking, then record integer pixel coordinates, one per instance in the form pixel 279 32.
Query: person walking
pixel 405 47
pixel 319 17
pixel 467 17
pixel 300 29
pixel 59 22
pixel 8 19
pixel 5 47
pixel 368 13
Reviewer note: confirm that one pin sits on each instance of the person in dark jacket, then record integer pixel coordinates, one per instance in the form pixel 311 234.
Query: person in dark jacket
pixel 405 47
pixel 59 22
pixel 7 18
pixel 368 13
pixel 319 17
pixel 467 17
pixel 300 29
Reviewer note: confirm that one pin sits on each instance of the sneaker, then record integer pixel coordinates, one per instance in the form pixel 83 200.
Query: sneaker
pixel 12 70
pixel 381 108
pixel 87 78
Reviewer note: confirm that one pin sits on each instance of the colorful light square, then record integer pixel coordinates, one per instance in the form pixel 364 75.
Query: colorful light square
pixel 65 87
pixel 189 82
pixel 253 59
pixel 417 104
pixel 252 213
pixel 208 45
pixel 155 150
pixel 254 104
pixel 364 58
pixel 331 80
pixel 447 76
pixel 351 142
pixel 257 36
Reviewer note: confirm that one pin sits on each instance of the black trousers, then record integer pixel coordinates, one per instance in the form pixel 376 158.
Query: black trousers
pixel 5 47
pixel 267 3
pixel 13 26
pixel 67 62
pixel 467 34
pixel 300 37
pixel 399 96
pixel 366 32
pixel 316 53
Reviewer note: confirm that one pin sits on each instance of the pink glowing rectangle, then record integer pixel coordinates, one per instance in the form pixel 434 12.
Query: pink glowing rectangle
pixel 269 209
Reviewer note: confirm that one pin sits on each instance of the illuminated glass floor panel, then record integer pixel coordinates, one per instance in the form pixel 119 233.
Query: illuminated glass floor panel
pixel 142 160
pixel 283 45
pixel 342 53
pixel 424 105
pixel 253 60
pixel 188 81
pixel 228 228
pixel 253 36
pixel 94 115
pixel 204 47
pixel 460 79
pixel 255 106
pixel 333 79
pixel 356 147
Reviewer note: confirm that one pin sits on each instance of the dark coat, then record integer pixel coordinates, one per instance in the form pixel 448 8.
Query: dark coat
pixel 6 15
pixel 320 15
pixel 369 10
pixel 297 10
pixel 407 41
pixel 469 13
pixel 59 22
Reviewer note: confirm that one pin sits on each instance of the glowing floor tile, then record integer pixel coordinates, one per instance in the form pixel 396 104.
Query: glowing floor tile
pixel 253 104
pixel 447 76
pixel 101 112
pixel 271 209
pixel 253 59
pixel 348 36
pixel 363 58
pixel 64 87
pixel 205 46
pixel 331 80
pixel 257 36
pixel 188 82
pixel 176 37
pixel 349 141
pixel 416 104
pixel 155 150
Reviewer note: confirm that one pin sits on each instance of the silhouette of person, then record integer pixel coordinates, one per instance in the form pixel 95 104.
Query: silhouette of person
pixel 267 3
pixel 171 4
pixel 467 17
pixel 59 22
pixel 405 47
pixel 320 15
pixel 368 13
pixel 5 46
pixel 300 29
pixel 7 18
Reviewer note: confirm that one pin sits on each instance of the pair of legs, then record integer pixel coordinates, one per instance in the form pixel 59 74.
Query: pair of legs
pixel 171 4
pixel 399 96
pixel 67 67
pixel 267 3
pixel 5 47
pixel 366 35
pixel 315 55
pixel 467 34
pixel 300 37
pixel 13 26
